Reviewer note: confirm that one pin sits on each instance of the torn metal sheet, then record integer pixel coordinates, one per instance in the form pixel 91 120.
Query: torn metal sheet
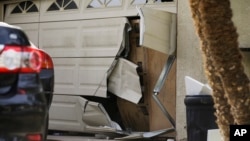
pixel 74 113
pixel 124 81
pixel 125 135
pixel 157 30
pixel 146 135
pixel 94 114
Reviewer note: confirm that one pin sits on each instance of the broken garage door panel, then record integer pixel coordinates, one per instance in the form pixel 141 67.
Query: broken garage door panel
pixel 94 114
pixel 157 30
pixel 124 81
pixel 74 113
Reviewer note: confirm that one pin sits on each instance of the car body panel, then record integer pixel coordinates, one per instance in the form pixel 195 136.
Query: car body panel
pixel 25 96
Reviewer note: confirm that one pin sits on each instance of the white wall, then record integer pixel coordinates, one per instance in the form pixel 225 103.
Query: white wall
pixel 242 21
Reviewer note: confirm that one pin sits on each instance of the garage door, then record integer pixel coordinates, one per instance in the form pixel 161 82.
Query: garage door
pixel 82 52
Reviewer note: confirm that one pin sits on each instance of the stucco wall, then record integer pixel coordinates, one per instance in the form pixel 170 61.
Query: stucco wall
pixel 241 10
pixel 1 11
pixel 189 59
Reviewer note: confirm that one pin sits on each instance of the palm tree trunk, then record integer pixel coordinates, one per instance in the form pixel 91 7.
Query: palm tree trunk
pixel 222 62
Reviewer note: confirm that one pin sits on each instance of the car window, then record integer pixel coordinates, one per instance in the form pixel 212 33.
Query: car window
pixel 12 36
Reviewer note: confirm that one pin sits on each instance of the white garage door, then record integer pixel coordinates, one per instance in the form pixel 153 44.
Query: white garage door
pixel 82 51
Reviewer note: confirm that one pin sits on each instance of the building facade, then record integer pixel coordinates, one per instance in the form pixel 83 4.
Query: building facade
pixel 39 18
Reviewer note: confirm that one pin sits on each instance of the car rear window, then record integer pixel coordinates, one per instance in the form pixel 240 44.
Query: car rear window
pixel 13 36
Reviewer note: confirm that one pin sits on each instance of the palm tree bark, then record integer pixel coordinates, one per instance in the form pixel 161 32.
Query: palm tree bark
pixel 222 62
